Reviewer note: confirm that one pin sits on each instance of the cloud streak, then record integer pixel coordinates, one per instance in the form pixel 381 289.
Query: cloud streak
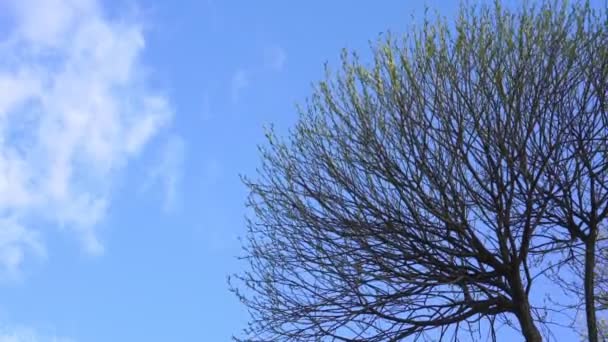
pixel 21 334
pixel 240 81
pixel 74 110
pixel 275 58
pixel 167 173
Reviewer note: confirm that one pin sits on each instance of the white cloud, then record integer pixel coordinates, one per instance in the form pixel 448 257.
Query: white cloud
pixel 21 334
pixel 240 81
pixel 74 109
pixel 15 239
pixel 167 173
pixel 275 58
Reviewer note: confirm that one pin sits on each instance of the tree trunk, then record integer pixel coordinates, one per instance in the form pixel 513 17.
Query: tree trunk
pixel 526 322
pixel 523 310
pixel 592 332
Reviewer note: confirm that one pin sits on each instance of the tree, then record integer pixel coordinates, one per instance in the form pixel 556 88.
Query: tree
pixel 424 195
pixel 601 278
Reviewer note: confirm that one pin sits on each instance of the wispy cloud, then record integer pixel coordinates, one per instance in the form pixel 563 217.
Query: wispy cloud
pixel 240 81
pixel 74 109
pixel 15 239
pixel 167 173
pixel 21 334
pixel 275 58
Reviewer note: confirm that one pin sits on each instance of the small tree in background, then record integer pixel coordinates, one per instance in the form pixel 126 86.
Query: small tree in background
pixel 601 279
pixel 422 196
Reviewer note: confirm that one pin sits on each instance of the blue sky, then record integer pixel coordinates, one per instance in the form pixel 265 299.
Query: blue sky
pixel 123 128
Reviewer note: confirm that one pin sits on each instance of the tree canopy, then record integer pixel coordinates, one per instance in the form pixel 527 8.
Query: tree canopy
pixel 424 194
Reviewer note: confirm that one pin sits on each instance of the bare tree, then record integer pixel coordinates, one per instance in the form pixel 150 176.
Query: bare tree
pixel 578 178
pixel 423 195
pixel 601 286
